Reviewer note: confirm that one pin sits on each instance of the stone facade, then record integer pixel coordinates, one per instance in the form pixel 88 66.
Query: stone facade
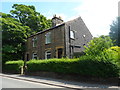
pixel 63 40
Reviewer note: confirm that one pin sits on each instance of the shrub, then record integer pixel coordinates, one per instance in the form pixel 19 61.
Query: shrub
pixel 84 66
pixel 96 66
pixel 97 45
pixel 13 66
pixel 52 65
pixel 112 54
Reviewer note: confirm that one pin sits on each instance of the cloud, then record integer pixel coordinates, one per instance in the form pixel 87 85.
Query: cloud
pixel 98 14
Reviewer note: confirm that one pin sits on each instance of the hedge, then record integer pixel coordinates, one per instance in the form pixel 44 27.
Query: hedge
pixel 83 66
pixel 13 66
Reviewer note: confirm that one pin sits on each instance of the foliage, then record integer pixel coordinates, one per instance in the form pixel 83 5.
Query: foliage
pixel 14 35
pixel 16 27
pixel 115 31
pixel 28 16
pixel 57 65
pixel 113 54
pixel 83 66
pixel 13 66
pixel 97 45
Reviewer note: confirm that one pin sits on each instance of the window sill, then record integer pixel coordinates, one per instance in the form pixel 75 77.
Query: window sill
pixel 72 38
pixel 47 43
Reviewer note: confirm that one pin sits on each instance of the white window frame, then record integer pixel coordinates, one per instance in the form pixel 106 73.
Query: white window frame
pixel 48 38
pixel 34 55
pixel 72 34
pixel 47 53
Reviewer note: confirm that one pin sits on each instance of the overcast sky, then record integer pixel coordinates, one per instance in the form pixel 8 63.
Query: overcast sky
pixel 98 15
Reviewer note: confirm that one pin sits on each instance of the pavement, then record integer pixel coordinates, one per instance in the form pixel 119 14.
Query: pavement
pixel 57 82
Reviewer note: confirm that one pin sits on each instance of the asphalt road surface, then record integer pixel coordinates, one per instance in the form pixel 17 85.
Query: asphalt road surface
pixel 15 83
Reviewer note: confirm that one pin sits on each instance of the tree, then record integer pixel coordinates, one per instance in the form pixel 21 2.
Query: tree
pixel 16 27
pixel 14 35
pixel 97 45
pixel 28 16
pixel 115 31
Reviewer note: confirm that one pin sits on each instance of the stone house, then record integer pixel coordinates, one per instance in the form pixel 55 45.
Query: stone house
pixel 63 39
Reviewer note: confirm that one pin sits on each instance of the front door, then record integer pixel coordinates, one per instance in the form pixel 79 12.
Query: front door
pixel 27 57
pixel 60 52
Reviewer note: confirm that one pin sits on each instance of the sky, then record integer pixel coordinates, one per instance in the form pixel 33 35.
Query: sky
pixel 98 15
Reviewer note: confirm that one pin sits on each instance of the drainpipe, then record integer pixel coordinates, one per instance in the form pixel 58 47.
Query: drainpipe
pixel 64 41
pixel 69 44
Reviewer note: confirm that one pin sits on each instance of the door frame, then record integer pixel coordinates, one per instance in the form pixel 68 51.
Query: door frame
pixel 57 51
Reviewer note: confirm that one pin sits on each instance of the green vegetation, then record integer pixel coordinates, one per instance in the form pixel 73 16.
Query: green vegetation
pixel 102 49
pixel 97 45
pixel 113 54
pixel 83 66
pixel 17 27
pixel 28 16
pixel 14 35
pixel 14 66
pixel 115 31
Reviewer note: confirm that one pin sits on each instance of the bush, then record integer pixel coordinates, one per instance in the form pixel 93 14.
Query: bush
pixel 52 65
pixel 84 66
pixel 113 54
pixel 97 45
pixel 13 66
pixel 96 66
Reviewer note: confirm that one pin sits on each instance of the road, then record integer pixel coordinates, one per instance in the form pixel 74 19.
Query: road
pixel 8 82
pixel 14 83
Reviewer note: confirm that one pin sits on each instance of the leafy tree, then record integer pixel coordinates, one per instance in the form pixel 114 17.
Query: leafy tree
pixel 97 45
pixel 17 26
pixel 14 35
pixel 28 16
pixel 115 31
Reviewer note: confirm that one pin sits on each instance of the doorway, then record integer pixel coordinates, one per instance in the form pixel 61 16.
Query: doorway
pixel 27 57
pixel 60 53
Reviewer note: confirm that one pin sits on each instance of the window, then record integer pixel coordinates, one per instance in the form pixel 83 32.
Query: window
pixel 77 46
pixel 34 56
pixel 47 55
pixel 84 36
pixel 83 44
pixel 48 38
pixel 72 34
pixel 34 42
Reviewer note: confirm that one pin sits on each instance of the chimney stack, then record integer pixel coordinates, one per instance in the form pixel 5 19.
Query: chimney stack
pixel 56 20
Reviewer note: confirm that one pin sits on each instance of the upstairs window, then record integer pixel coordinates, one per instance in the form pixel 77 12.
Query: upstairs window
pixel 72 34
pixel 48 38
pixel 84 36
pixel 47 54
pixel 34 56
pixel 34 42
